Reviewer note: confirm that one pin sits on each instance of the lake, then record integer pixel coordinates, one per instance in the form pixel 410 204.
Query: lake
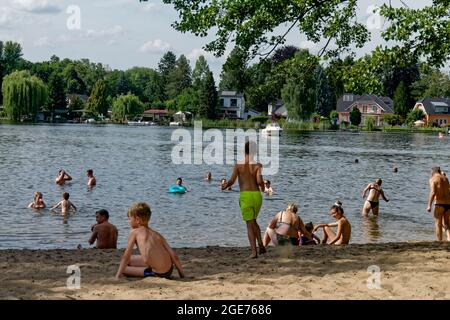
pixel 134 164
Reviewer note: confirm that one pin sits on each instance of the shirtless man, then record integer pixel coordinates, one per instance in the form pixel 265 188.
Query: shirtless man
pixel 156 259
pixel 440 193
pixel 372 202
pixel 344 230
pixel 251 182
pixel 92 182
pixel 65 205
pixel 104 232
pixel 62 177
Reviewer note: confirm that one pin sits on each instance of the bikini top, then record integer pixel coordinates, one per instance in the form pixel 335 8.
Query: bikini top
pixel 280 224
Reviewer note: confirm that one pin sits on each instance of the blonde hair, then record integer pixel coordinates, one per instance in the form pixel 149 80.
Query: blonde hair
pixel 37 195
pixel 292 207
pixel 140 210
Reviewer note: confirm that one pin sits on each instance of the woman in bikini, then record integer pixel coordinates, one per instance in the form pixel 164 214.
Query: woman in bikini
pixel 284 228
pixel 372 202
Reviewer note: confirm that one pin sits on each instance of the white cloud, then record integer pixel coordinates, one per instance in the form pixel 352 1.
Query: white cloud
pixel 8 17
pixel 98 34
pixel 37 6
pixel 112 3
pixel 157 45
pixel 151 7
pixel 43 42
pixel 307 45
pixel 196 53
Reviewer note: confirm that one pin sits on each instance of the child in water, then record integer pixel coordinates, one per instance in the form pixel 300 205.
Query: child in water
pixel 65 204
pixel 37 203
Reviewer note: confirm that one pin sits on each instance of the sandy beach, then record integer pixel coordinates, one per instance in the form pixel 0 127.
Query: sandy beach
pixel 408 271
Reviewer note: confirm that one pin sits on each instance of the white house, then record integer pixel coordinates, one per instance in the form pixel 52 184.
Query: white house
pixel 231 105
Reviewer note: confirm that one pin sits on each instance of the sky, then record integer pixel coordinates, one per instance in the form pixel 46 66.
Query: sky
pixel 127 33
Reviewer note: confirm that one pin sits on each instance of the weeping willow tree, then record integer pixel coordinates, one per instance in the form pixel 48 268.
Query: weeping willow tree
pixel 23 95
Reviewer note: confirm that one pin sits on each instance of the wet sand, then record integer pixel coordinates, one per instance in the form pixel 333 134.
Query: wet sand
pixel 408 271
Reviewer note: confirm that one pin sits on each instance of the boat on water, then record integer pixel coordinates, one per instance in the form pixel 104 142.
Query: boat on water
pixel 175 124
pixel 272 129
pixel 140 123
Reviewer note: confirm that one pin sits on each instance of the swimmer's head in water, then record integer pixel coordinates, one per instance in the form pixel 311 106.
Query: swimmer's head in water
pixel 292 207
pixel 267 183
pixel 356 161
pixel 37 195
pixel 250 148
pixel 65 196
pixel 223 181
pixel 179 182
pixel 378 181
pixel 140 211
pixel 90 172
pixel 209 175
pixel 436 170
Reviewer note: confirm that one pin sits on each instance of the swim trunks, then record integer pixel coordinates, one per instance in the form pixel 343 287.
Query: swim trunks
pixel 149 273
pixel 250 203
pixel 446 207
pixel 373 204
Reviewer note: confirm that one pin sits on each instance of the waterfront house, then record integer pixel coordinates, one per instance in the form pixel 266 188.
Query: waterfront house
pixel 436 110
pixel 277 109
pixel 156 115
pixel 370 105
pixel 249 113
pixel 231 105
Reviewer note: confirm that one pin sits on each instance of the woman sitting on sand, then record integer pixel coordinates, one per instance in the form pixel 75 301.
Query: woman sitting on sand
pixel 37 203
pixel 285 227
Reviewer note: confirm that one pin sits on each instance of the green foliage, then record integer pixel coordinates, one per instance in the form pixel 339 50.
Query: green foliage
pixel 123 86
pixel 178 78
pixel 261 119
pixel 165 67
pixel 369 123
pixel 23 95
pixel 401 106
pixel 414 115
pixel 188 100
pixel 234 76
pixel 208 97
pixel 126 107
pixel 355 117
pixel 76 104
pixel 432 83
pixel 98 101
pixel 393 119
pixel 200 72
pixel 56 92
pixel 334 114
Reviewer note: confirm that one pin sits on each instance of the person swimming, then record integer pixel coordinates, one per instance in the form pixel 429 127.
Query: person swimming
pixel 37 203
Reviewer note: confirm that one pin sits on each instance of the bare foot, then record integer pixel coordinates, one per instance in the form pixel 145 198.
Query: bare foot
pixel 253 256
pixel 262 250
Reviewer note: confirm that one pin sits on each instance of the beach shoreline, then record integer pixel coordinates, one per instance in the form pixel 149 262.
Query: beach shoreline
pixel 408 270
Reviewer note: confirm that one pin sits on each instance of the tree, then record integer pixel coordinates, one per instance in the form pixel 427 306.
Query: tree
pixel 208 97
pixel 165 67
pixel 249 22
pixel 392 119
pixel 299 93
pixel 284 53
pixel 12 55
pixel 56 92
pixel 324 102
pixel 143 82
pixel 432 83
pixel 233 76
pixel 123 87
pixel 179 78
pixel 23 95
pixel 414 115
pixel 200 72
pixel 355 117
pixel 98 101
pixel 188 100
pixel 401 106
pixel 126 106
pixel 76 104
pixel 75 84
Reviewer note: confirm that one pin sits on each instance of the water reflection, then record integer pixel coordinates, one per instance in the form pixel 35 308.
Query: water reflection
pixel 371 228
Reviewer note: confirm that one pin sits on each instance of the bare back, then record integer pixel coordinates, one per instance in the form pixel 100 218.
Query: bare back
pixel 440 185
pixel 153 249
pixel 249 176
pixel 346 230
pixel 65 206
pixel 106 235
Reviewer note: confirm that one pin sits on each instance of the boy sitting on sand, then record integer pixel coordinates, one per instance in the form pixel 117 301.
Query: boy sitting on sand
pixel 304 240
pixel 156 258
pixel 65 204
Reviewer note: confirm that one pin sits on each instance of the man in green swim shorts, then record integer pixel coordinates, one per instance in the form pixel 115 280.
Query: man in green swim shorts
pixel 249 173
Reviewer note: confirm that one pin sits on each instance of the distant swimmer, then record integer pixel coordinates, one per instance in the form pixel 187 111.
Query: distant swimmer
pixel 440 193
pixel 180 183
pixel 208 176
pixel 249 173
pixel 268 188
pixel 356 161
pixel 103 232
pixel 64 204
pixel 372 202
pixel 62 177
pixel 343 232
pixel 92 182
pixel 441 135
pixel 395 169
pixel 224 182
pixel 37 203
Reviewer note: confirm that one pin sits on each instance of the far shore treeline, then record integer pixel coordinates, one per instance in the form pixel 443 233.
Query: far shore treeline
pixel 309 85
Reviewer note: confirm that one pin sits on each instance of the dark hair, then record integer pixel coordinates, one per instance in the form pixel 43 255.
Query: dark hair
pixel 250 147
pixel 356 161
pixel 268 181
pixel 337 208
pixel 180 179
pixel 90 171
pixel 309 226
pixel 103 213
pixel 378 181
pixel 436 170
pixel 66 196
